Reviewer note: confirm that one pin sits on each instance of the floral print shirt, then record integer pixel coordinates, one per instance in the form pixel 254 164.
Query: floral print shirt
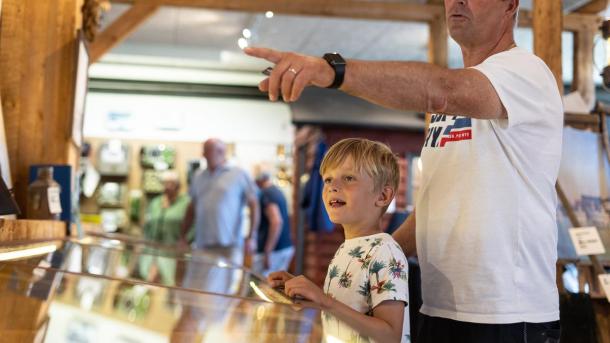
pixel 365 272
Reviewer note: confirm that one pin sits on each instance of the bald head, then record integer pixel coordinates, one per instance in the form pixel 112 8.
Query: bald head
pixel 214 152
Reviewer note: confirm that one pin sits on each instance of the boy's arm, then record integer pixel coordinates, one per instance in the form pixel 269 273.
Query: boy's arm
pixel 384 326
pixel 405 235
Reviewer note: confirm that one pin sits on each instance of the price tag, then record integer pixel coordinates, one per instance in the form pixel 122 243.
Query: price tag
pixel 586 241
pixel 53 197
pixel 604 280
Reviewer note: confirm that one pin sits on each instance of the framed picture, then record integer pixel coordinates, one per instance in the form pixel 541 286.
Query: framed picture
pixel 80 89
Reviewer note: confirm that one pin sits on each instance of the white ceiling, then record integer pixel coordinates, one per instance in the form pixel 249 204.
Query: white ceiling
pixel 210 37
pixel 207 39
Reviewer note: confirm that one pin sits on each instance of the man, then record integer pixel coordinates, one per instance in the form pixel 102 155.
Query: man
pixel 485 216
pixel 218 195
pixel 274 248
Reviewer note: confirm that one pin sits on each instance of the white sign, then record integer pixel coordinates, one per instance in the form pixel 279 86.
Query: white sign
pixel 604 280
pixel 54 203
pixel 586 241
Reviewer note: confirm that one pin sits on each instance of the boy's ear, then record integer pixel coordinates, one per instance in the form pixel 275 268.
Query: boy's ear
pixel 385 196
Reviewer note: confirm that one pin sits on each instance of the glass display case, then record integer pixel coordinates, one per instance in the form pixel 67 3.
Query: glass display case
pixel 96 290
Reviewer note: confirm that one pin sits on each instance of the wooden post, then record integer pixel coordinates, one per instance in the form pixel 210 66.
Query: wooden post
pixel 584 35
pixel 37 73
pixel 547 25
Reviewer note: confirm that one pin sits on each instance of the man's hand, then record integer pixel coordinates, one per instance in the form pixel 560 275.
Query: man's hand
pixel 278 279
pixel 302 286
pixel 292 73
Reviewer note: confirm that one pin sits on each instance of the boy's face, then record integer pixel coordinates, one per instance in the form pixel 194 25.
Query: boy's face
pixel 349 195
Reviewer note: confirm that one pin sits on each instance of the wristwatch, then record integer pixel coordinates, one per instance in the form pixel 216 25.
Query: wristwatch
pixel 338 64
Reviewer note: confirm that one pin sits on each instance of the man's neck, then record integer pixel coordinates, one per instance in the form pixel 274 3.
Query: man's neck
pixel 476 54
pixel 214 169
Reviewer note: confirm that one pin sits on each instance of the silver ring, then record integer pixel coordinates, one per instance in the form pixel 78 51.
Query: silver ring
pixel 292 70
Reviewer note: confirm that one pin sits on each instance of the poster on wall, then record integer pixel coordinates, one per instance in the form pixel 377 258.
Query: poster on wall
pixel 80 89
pixel 584 176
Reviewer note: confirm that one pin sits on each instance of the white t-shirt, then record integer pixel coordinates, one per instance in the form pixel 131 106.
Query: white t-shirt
pixel 485 215
pixel 365 272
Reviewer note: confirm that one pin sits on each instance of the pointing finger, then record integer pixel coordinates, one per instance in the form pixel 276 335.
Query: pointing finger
pixel 270 55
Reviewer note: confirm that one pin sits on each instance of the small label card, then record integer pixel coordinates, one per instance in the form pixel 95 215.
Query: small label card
pixel 586 241
pixel 604 280
pixel 54 203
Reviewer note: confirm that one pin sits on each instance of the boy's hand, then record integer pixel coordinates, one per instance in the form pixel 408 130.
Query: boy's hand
pixel 301 286
pixel 278 279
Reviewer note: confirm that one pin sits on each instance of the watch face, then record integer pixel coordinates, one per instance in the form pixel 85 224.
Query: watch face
pixel 334 59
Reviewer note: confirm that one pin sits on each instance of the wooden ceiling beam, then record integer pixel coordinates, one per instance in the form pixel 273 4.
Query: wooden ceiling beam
pixel 594 7
pixel 121 28
pixel 386 10
pixel 571 22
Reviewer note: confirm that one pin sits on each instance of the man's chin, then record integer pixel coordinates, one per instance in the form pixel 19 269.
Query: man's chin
pixel 459 33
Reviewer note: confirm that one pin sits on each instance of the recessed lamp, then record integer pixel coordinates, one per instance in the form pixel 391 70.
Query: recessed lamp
pixel 246 33
pixel 243 43
pixel 269 14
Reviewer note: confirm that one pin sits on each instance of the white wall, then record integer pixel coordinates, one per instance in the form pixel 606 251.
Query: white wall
pixel 255 126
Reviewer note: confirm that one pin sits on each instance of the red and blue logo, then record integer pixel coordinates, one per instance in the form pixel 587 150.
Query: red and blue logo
pixel 445 129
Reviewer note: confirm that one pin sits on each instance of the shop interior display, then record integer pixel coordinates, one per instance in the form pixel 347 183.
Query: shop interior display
pixel 113 219
pixel 43 196
pixel 158 157
pixel 104 185
pixel 62 175
pixel 151 181
pixel 113 158
pixel 111 194
pixel 582 190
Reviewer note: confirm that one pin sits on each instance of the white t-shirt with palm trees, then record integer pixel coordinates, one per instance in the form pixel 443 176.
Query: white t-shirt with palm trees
pixel 365 272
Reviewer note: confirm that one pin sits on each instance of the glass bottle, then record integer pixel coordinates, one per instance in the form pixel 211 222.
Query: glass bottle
pixel 43 196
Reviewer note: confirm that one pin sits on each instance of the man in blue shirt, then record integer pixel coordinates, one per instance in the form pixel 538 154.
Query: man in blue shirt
pixel 274 246
pixel 218 195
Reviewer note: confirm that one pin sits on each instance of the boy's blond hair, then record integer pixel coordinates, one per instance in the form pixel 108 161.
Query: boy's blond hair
pixel 374 158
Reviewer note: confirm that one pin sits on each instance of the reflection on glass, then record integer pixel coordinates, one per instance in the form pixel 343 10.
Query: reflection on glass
pixel 147 266
pixel 126 312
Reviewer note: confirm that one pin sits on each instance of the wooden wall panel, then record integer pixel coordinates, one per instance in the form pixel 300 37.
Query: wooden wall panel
pixel 37 72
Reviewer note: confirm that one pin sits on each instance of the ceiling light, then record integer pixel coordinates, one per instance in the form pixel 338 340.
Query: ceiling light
pixel 243 43
pixel 269 14
pixel 247 34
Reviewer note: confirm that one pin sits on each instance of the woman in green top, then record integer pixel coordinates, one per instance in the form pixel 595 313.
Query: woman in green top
pixel 162 225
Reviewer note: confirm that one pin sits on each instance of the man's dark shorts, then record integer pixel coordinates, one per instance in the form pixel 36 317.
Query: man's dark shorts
pixel 441 330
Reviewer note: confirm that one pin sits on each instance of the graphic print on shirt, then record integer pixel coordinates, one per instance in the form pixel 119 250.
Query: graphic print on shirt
pixel 445 129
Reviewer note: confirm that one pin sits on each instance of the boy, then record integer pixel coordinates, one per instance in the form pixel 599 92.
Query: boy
pixel 366 283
